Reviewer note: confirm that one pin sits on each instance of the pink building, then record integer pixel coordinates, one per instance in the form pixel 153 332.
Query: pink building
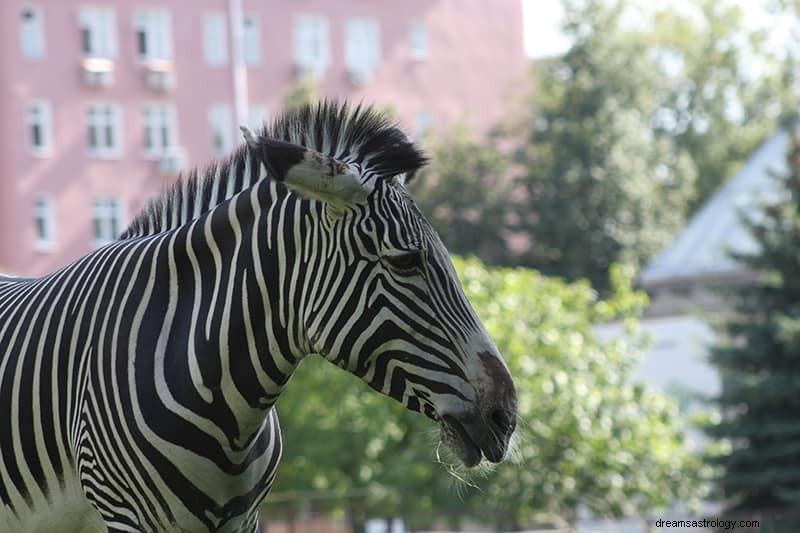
pixel 102 103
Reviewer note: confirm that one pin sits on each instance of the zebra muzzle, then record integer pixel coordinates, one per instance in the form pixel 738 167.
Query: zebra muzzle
pixel 471 438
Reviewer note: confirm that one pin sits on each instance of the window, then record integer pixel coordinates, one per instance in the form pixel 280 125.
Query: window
pixel 418 37
pixel 311 45
pixel 423 121
pixel 40 127
pixel 45 219
pixel 154 35
pixel 215 39
pixel 362 48
pixel 160 130
pixel 32 33
pixel 251 40
pixel 107 218
pixel 256 116
pixel 220 120
pixel 104 130
pixel 98 32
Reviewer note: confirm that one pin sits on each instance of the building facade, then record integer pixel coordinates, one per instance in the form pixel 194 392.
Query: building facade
pixel 103 103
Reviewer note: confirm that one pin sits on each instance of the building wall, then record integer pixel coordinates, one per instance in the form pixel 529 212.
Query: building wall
pixel 473 68
pixel 677 359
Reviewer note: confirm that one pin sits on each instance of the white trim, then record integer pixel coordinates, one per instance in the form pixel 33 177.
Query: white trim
pixel 100 23
pixel 311 39
pixel 251 39
pixel 423 122
pixel 31 33
pixel 154 25
pixel 418 40
pixel 362 48
pixel 104 118
pixel 256 117
pixel 220 121
pixel 44 210
pixel 215 39
pixel 109 214
pixel 39 113
pixel 159 120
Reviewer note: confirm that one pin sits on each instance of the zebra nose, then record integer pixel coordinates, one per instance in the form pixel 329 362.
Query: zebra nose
pixel 503 422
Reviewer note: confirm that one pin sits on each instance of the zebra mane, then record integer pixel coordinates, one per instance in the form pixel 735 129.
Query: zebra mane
pixel 361 135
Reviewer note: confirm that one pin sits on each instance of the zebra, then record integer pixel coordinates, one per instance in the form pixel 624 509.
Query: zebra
pixel 137 385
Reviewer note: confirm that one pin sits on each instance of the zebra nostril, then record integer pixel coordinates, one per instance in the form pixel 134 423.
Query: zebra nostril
pixel 502 421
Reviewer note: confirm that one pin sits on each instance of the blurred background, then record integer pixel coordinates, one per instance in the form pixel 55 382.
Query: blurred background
pixel 618 181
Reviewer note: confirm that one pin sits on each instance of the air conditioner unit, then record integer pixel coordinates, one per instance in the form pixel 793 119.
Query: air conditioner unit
pixel 160 75
pixel 172 162
pixel 98 71
pixel 305 71
pixel 358 76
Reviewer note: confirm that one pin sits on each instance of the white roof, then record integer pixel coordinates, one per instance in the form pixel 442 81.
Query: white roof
pixel 701 249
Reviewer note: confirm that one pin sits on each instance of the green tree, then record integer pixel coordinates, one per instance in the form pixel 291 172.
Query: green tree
pixel 303 92
pixel 465 193
pixel 724 90
pixel 602 186
pixel 587 434
pixel 616 142
pixel 759 359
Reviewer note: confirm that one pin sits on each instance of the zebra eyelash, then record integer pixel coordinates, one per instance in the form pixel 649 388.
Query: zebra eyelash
pixel 407 262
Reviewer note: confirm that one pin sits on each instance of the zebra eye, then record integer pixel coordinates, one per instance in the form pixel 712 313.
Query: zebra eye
pixel 406 262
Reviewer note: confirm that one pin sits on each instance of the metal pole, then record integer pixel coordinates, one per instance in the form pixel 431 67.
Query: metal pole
pixel 238 67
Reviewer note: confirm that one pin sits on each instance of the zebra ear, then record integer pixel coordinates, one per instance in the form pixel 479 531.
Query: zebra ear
pixel 308 173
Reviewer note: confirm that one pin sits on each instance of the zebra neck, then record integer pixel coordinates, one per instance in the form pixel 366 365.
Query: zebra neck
pixel 247 331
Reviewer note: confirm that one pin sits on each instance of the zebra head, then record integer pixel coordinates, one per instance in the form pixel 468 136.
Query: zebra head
pixel 389 307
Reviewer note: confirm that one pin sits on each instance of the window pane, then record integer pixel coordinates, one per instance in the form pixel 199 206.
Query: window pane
pixel 109 136
pixel 31 33
pixel 86 39
pixel 92 133
pixel 36 135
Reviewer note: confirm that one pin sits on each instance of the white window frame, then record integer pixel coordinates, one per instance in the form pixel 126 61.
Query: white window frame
pixel 251 39
pixel 312 48
pixel 108 218
pixel 423 122
pixel 104 118
pixel 418 40
pixel 99 25
pixel 31 33
pixel 220 121
pixel 215 39
pixel 39 114
pixel 44 216
pixel 256 117
pixel 362 48
pixel 154 28
pixel 160 125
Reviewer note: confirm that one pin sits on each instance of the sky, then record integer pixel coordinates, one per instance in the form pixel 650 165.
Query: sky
pixel 541 20
pixel 543 38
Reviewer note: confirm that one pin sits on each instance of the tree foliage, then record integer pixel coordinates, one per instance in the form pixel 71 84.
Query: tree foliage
pixel 615 143
pixel 587 434
pixel 473 219
pixel 759 359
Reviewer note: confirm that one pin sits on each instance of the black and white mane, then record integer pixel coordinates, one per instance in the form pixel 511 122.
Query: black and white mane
pixel 362 136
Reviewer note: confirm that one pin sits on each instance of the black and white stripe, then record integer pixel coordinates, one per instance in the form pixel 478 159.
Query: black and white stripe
pixel 137 384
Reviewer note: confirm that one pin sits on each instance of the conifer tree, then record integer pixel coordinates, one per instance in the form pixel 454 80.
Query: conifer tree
pixel 759 360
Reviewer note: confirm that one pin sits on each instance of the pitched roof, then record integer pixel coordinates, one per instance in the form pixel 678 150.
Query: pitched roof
pixel 701 250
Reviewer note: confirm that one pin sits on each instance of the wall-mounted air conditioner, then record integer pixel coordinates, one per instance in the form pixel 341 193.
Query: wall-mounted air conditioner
pixel 172 161
pixel 160 75
pixel 98 72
